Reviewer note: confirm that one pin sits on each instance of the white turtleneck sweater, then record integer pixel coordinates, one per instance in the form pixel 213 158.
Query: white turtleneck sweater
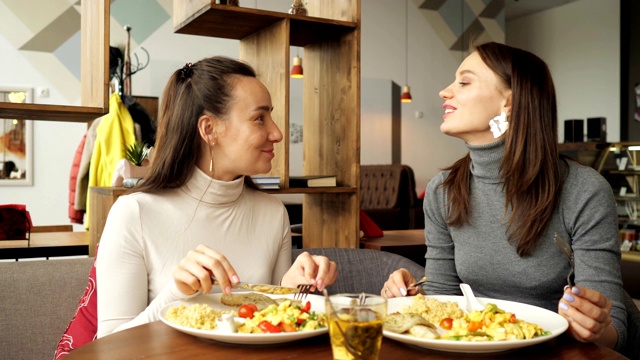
pixel 480 255
pixel 146 236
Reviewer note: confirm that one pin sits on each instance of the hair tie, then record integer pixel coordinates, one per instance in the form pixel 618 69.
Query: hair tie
pixel 187 71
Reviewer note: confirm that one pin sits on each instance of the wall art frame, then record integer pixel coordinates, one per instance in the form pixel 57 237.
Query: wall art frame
pixel 16 141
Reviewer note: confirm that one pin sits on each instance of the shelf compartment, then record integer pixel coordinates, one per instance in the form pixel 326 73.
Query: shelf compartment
pixel 314 190
pixel 230 22
pixel 66 113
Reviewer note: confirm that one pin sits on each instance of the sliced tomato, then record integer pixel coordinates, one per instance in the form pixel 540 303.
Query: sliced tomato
pixel 246 311
pixel 474 326
pixel 300 321
pixel 306 307
pixel 268 327
pixel 287 327
pixel 512 319
pixel 446 323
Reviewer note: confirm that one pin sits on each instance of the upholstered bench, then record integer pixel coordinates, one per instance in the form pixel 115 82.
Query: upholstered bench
pixel 388 196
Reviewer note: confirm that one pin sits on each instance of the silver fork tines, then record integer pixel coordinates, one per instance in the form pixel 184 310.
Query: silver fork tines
pixel 303 291
pixel 568 253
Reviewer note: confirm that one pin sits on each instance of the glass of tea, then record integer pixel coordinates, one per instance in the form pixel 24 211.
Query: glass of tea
pixel 355 325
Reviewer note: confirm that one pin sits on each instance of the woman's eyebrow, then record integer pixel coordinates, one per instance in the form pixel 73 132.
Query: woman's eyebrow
pixel 464 72
pixel 264 108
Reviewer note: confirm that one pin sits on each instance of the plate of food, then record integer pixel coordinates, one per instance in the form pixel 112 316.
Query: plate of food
pixel 248 317
pixel 438 322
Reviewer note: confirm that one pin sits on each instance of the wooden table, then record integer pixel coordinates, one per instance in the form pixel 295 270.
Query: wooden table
pixel 159 341
pixel 408 243
pixel 47 244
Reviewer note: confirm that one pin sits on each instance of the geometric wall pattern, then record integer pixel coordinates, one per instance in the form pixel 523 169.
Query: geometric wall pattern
pixel 50 37
pixel 458 23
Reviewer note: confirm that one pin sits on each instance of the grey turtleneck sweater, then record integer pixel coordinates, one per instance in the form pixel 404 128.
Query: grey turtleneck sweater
pixel 480 255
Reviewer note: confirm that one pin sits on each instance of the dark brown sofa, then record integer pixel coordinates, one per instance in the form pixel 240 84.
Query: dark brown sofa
pixel 388 196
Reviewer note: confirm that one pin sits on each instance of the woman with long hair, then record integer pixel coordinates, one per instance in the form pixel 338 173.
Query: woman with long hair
pixel 491 217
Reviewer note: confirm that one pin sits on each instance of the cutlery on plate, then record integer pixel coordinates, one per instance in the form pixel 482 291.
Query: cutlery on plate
pixel 472 302
pixel 564 246
pixel 422 281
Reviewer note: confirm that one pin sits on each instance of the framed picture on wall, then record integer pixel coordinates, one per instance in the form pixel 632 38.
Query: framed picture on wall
pixel 16 141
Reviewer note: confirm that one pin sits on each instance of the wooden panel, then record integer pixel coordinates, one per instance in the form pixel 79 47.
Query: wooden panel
pixel 347 10
pixel 101 199
pixel 331 220
pixel 50 112
pixel 51 228
pixel 150 104
pixel 267 51
pixel 331 133
pixel 230 22
pixel 331 120
pixel 94 60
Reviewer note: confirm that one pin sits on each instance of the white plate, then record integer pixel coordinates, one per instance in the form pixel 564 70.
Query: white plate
pixel 317 305
pixel 548 320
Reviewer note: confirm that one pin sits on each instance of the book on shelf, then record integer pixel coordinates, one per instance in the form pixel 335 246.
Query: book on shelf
pixel 268 186
pixel 312 181
pixel 267 182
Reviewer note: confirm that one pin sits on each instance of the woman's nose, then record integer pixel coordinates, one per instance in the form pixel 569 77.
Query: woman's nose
pixel 445 93
pixel 275 134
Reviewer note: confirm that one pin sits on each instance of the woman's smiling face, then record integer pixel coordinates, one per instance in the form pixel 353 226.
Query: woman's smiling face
pixel 245 138
pixel 476 96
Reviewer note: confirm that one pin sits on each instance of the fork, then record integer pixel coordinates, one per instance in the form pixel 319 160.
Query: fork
pixel 422 281
pixel 303 291
pixel 568 252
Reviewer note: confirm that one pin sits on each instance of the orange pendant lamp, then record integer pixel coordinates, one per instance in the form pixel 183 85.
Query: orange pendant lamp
pixel 296 69
pixel 406 89
pixel 406 94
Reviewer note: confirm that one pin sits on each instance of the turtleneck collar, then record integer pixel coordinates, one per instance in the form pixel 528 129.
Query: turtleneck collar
pixel 201 186
pixel 485 161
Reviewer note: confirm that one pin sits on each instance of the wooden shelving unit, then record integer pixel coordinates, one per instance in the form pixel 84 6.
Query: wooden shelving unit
pixel 94 74
pixel 331 98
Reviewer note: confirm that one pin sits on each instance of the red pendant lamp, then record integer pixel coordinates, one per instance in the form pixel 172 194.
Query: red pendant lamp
pixel 406 89
pixel 296 69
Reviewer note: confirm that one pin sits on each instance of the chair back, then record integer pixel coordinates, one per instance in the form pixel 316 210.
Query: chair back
pixel 632 347
pixel 37 301
pixel 362 270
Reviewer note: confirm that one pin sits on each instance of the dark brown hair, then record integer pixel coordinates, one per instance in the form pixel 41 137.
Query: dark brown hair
pixel 531 167
pixel 190 91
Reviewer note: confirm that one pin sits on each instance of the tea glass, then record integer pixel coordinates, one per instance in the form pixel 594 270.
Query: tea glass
pixel 355 325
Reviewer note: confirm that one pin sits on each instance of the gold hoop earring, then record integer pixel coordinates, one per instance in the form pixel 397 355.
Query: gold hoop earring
pixel 211 161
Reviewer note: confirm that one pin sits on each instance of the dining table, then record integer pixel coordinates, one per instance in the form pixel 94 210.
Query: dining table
pixel 156 340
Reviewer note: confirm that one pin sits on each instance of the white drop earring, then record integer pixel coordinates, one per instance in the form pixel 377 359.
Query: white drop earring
pixel 499 125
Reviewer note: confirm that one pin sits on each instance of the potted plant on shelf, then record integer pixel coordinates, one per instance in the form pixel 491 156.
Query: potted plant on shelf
pixel 133 167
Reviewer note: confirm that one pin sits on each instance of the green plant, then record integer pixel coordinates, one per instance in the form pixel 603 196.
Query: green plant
pixel 136 153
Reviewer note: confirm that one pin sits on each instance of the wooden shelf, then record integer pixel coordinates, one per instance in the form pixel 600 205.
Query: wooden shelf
pixel 631 256
pixel 81 114
pixel 313 190
pixel 237 23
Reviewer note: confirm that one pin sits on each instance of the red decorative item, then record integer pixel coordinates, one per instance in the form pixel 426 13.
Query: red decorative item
pixel 84 326
pixel 15 222
pixel 368 227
